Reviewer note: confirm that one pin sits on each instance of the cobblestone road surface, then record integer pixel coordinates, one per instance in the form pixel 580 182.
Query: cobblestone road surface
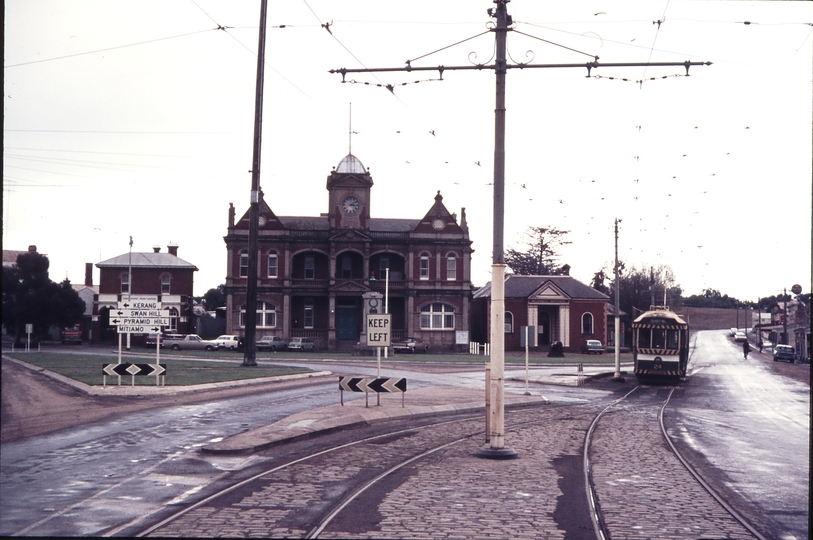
pixel 454 494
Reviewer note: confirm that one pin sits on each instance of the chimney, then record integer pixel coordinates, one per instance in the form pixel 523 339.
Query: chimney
pixel 173 249
pixel 156 249
pixel 88 274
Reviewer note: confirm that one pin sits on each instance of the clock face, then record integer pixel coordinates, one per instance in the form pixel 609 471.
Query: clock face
pixel 350 205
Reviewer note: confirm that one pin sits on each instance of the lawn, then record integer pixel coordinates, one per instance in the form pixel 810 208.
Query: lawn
pixel 88 369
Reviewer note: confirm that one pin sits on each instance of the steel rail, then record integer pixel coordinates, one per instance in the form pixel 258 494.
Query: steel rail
pixel 257 476
pixel 742 521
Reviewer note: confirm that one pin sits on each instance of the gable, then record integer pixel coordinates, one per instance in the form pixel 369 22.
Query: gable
pixel 549 293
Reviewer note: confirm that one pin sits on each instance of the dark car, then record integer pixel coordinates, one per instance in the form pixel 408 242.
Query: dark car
pixel 271 343
pixel 410 345
pixel 593 346
pixel 784 352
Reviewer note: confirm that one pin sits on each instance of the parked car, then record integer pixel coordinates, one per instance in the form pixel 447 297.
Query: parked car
pixel 230 342
pixel 740 336
pixel 150 340
pixel 410 345
pixel 271 343
pixel 593 346
pixel 190 342
pixel 731 332
pixel 300 344
pixel 784 352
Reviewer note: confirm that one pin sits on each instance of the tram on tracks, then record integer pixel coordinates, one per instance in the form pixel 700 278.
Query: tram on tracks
pixel 660 344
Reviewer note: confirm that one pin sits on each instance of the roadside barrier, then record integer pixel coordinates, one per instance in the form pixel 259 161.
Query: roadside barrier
pixel 475 348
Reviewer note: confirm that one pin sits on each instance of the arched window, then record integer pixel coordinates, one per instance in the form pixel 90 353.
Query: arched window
pixel 266 315
pixel 424 266
pixel 451 267
pixel 509 322
pixel 244 263
pixel 587 323
pixel 165 281
pixel 437 317
pixel 273 264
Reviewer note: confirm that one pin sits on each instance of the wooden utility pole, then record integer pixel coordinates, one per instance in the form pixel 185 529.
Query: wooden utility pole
pixel 249 350
pixel 504 22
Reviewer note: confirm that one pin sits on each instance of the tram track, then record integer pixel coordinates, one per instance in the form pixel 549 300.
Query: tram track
pixel 342 472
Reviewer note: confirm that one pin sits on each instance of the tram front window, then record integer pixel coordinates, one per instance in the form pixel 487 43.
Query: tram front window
pixel 658 338
pixel 672 339
pixel 644 338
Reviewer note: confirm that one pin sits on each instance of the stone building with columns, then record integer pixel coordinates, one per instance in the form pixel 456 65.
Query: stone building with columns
pixel 314 270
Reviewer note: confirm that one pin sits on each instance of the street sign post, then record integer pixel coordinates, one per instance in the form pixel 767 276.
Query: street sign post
pixel 378 335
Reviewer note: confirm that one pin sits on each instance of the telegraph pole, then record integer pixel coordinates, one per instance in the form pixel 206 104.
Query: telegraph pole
pixel 249 351
pixel 497 449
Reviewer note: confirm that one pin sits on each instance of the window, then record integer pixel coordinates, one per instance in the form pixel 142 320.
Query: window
pixel 266 315
pixel 244 263
pixel 587 323
pixel 310 267
pixel 383 265
pixel 125 283
pixel 308 319
pixel 509 322
pixel 451 267
pixel 672 340
pixel 644 338
pixel 273 264
pixel 437 317
pixel 347 267
pixel 165 279
pixel 173 321
pixel 424 266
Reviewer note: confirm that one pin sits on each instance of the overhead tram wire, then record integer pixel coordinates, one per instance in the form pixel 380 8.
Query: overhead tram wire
pixel 107 49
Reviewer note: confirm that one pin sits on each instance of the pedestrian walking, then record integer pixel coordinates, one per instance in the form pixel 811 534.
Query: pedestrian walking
pixel 760 345
pixel 746 348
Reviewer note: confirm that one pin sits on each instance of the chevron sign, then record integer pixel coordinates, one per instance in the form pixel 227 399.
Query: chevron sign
pixel 134 369
pixel 372 384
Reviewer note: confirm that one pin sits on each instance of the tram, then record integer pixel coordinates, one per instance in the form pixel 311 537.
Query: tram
pixel 660 344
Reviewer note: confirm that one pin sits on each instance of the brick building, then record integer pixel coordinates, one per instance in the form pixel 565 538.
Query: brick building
pixel 164 275
pixel 313 271
pixel 561 307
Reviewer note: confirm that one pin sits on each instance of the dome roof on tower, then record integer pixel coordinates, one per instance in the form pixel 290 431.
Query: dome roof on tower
pixel 350 164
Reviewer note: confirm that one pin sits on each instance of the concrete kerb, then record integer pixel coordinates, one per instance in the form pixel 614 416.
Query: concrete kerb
pixel 144 389
pixel 334 418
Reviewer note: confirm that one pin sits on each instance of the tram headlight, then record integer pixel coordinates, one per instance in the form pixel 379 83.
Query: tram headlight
pixel 658 359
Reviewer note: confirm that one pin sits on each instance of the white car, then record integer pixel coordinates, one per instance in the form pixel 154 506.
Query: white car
pixel 740 336
pixel 229 342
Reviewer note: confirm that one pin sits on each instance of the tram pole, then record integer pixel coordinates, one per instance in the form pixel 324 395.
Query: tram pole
pixel 497 447
pixel 616 341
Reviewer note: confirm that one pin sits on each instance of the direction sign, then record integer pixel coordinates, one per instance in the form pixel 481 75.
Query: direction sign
pixel 139 329
pixel 378 330
pixel 139 302
pixel 139 313
pixel 139 321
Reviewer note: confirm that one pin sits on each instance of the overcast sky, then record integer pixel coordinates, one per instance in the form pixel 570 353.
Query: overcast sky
pixel 135 118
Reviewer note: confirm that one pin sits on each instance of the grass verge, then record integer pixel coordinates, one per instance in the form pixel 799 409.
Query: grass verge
pixel 88 369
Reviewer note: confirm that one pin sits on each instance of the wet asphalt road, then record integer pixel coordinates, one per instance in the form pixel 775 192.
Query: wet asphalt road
pixel 743 424
pixel 746 425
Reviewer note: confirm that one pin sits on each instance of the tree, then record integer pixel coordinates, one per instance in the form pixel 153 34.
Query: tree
pixel 215 298
pixel 598 282
pixel 30 297
pixel 541 254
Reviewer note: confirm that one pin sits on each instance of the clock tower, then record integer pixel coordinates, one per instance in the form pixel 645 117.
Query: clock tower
pixel 348 189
